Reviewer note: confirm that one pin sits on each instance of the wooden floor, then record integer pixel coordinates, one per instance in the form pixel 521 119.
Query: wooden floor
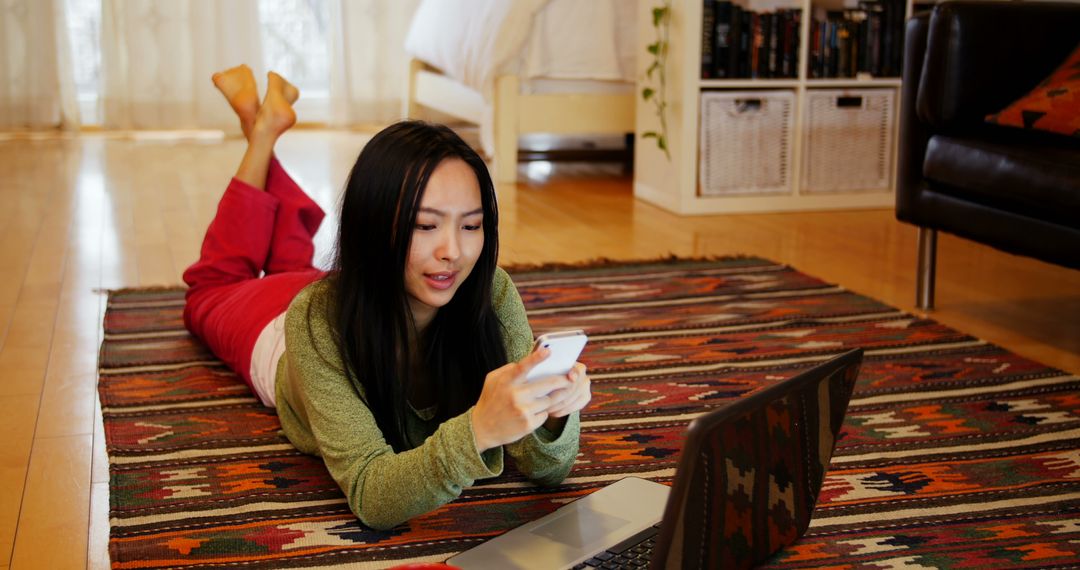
pixel 83 214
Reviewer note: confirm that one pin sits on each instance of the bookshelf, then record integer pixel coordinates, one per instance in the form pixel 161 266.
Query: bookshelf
pixel 683 185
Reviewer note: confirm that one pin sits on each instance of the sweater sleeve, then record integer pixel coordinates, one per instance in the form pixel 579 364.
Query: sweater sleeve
pixel 323 414
pixel 544 457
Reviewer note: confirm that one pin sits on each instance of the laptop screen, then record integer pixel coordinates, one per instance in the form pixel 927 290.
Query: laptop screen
pixel 750 472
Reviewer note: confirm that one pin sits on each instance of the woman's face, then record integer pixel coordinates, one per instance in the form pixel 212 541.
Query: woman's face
pixel 446 241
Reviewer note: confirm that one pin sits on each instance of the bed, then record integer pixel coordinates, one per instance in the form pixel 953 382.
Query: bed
pixel 528 66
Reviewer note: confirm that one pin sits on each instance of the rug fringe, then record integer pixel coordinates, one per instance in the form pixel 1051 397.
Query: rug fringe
pixel 146 289
pixel 603 262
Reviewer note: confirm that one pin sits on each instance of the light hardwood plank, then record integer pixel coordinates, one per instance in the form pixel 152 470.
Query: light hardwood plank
pixel 57 483
pixel 24 370
pixel 100 465
pixel 17 415
pixel 119 265
pixel 32 323
pixel 67 408
pixel 151 244
pixel 15 259
pixel 97 554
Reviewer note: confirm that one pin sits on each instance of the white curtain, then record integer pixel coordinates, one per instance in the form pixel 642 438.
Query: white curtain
pixel 158 56
pixel 367 59
pixel 37 85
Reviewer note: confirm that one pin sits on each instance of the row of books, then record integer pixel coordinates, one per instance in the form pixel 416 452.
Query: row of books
pixel 869 40
pixel 738 43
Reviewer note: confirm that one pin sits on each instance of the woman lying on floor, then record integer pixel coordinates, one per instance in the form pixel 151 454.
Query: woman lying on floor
pixel 404 366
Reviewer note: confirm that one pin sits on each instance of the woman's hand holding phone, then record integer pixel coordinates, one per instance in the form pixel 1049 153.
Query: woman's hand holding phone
pixel 566 347
pixel 521 396
pixel 512 406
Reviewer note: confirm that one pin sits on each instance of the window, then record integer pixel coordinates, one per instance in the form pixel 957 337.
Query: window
pixel 84 30
pixel 295 42
pixel 293 34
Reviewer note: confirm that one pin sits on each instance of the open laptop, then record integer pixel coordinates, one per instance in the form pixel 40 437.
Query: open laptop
pixel 746 484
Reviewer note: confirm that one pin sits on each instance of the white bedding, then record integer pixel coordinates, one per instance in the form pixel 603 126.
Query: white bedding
pixel 469 39
pixel 553 46
pixel 472 41
pixel 572 39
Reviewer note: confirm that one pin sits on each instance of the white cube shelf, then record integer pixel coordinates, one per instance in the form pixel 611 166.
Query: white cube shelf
pixel 760 145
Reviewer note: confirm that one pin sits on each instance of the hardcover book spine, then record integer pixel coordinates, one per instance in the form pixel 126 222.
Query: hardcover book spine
pixel 791 44
pixel 746 24
pixel 797 43
pixel 737 43
pixel 875 42
pixel 708 27
pixel 774 43
pixel 863 43
pixel 843 39
pixel 758 49
pixel 721 54
pixel 831 51
pixel 898 37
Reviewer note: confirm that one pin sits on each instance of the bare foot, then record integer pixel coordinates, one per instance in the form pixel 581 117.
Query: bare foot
pixel 237 84
pixel 276 114
pixel 288 90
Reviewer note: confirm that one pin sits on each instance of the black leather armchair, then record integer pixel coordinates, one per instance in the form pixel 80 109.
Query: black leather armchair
pixel 1016 190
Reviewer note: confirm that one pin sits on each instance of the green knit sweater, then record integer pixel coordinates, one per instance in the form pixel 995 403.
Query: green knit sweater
pixel 322 414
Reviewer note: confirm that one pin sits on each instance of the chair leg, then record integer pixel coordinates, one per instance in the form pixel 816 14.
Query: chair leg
pixel 924 294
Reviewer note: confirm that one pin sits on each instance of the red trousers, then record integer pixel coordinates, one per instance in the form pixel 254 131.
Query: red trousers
pixel 255 258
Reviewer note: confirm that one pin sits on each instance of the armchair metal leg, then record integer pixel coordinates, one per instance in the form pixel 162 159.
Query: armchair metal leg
pixel 924 293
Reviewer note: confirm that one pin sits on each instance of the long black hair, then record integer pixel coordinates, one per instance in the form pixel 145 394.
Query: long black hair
pixel 370 310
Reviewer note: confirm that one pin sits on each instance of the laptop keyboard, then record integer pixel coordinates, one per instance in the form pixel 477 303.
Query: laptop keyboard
pixel 634 552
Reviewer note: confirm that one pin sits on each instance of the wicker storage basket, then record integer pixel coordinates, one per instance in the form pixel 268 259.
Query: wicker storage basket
pixel 746 142
pixel 848 140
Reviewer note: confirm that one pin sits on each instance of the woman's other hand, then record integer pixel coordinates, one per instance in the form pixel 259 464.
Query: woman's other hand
pixel 565 401
pixel 511 407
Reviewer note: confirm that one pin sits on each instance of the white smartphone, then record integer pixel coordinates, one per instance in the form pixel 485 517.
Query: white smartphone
pixel 565 346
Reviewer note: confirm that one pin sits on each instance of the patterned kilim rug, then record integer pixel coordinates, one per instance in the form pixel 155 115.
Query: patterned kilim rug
pixel 955 453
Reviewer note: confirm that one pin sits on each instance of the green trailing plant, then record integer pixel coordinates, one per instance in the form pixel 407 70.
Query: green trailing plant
pixel 657 72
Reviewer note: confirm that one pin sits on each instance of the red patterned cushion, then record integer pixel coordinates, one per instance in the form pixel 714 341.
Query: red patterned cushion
pixel 1053 106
